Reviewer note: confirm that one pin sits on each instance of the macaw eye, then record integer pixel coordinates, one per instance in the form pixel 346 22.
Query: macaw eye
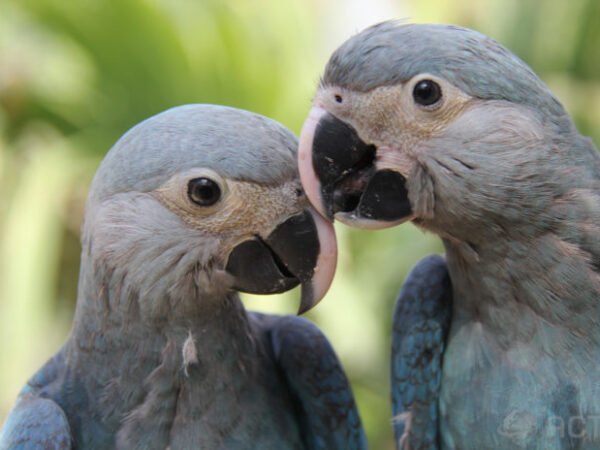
pixel 204 191
pixel 427 92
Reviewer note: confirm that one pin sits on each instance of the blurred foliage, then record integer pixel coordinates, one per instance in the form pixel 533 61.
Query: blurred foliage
pixel 74 76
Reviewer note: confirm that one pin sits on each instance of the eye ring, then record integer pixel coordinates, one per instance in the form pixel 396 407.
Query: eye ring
pixel 427 92
pixel 338 98
pixel 203 191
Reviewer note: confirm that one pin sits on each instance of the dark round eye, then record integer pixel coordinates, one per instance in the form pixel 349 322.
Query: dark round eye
pixel 204 191
pixel 427 92
pixel 338 98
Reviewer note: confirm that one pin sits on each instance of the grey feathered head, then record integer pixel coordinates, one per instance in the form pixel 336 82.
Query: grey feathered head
pixel 238 144
pixel 440 125
pixel 198 201
pixel 391 53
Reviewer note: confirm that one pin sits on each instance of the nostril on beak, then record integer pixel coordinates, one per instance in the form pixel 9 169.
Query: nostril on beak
pixel 345 202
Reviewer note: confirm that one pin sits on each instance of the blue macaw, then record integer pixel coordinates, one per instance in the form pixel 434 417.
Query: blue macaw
pixel 189 207
pixel 497 343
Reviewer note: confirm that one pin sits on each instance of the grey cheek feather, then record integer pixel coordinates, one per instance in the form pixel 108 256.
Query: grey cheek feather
pixel 496 165
pixel 140 250
pixel 391 53
pixel 421 192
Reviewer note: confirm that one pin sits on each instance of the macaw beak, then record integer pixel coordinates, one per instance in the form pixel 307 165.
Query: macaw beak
pixel 300 250
pixel 340 177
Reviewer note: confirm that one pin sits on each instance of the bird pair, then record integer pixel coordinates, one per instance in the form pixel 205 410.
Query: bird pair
pixel 494 345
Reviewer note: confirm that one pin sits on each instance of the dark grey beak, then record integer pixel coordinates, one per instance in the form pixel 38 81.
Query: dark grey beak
pixel 300 250
pixel 342 179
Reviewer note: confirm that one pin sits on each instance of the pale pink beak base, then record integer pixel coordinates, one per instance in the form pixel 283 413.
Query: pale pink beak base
pixel 325 267
pixel 310 182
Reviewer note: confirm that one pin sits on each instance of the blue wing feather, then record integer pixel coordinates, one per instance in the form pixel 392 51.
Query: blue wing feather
pixel 34 423
pixel 420 326
pixel 37 421
pixel 328 415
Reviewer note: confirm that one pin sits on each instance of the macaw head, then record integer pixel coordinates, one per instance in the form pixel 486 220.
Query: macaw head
pixel 202 200
pixel 439 125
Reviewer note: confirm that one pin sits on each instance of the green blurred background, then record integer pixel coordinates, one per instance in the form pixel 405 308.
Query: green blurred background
pixel 74 76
